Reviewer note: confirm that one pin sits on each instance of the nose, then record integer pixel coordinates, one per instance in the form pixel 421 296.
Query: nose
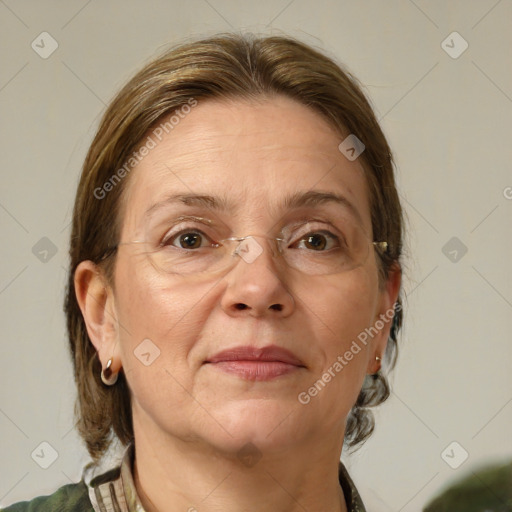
pixel 254 285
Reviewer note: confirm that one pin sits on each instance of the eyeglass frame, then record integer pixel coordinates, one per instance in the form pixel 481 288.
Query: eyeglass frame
pixel 379 245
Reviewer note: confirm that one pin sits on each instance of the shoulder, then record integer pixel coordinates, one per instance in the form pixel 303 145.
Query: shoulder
pixel 68 498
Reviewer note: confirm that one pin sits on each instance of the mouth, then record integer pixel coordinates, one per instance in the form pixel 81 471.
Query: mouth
pixel 254 363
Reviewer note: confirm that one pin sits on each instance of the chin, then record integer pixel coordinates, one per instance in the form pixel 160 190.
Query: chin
pixel 268 424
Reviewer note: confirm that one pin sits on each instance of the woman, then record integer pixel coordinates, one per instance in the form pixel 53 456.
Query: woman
pixel 234 283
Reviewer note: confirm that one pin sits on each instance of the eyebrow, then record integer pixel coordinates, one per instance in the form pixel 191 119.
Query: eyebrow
pixel 294 201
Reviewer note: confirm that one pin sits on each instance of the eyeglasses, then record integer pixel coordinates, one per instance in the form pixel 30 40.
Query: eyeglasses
pixel 314 252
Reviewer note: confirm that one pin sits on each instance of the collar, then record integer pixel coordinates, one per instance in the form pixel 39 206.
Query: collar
pixel 114 490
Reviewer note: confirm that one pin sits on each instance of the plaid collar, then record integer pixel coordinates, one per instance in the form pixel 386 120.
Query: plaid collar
pixel 114 491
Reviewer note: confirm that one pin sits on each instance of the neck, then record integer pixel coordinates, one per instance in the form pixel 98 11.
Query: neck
pixel 174 475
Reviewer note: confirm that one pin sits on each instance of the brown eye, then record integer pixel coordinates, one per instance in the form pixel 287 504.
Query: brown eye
pixel 318 241
pixel 186 239
pixel 190 240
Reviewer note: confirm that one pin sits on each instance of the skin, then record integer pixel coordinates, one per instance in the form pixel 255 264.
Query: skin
pixel 190 419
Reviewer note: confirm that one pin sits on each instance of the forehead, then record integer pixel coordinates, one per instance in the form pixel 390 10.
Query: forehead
pixel 252 155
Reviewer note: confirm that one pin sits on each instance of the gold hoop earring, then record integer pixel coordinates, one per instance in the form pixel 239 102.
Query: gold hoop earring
pixel 107 377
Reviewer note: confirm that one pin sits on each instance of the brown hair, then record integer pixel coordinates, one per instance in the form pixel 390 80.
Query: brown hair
pixel 227 66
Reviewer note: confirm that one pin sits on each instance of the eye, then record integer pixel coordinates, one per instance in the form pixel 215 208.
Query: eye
pixel 187 239
pixel 318 241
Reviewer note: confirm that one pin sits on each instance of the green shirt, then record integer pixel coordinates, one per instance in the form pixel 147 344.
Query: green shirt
pixel 114 491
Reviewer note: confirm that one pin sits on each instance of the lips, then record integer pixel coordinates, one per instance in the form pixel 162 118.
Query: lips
pixel 256 364
pixel 270 353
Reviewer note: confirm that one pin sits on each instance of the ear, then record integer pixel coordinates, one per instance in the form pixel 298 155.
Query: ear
pixel 384 317
pixel 96 300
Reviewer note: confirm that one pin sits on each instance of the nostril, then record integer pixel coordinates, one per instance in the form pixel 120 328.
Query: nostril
pixel 278 307
pixel 240 306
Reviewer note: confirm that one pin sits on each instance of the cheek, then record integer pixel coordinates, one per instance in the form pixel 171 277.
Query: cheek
pixel 158 325
pixel 162 320
pixel 341 312
pixel 150 304
pixel 345 307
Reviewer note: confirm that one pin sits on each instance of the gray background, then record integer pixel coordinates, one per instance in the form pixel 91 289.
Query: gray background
pixel 449 122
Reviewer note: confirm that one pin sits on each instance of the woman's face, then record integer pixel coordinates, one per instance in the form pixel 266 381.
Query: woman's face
pixel 251 157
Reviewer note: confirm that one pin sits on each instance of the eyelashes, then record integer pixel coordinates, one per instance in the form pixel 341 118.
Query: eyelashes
pixel 191 238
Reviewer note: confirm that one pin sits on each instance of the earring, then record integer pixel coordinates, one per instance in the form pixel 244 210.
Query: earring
pixel 378 359
pixel 106 375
